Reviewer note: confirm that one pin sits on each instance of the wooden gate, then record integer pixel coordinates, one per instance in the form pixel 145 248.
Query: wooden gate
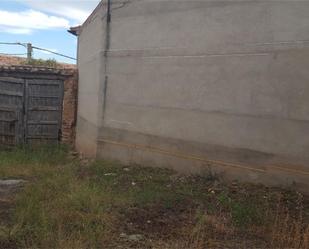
pixel 30 108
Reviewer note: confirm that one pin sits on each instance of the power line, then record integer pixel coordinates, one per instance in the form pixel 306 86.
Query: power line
pixel 30 48
pixel 46 50
pixel 13 43
pixel 12 54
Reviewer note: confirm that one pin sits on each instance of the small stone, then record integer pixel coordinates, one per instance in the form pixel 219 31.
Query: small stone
pixel 11 182
pixel 10 187
pixel 74 153
pixel 110 174
pixel 123 235
pixel 135 237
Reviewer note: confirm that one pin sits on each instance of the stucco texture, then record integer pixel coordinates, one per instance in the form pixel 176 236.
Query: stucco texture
pixel 229 75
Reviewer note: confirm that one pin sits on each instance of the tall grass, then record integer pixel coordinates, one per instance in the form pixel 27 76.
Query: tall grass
pixel 24 162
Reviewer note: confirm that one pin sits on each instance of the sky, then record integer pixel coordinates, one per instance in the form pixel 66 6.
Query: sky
pixel 44 23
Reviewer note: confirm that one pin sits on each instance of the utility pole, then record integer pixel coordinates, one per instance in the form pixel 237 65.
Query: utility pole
pixel 29 52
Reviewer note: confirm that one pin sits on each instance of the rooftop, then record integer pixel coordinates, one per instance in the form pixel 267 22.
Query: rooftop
pixel 18 61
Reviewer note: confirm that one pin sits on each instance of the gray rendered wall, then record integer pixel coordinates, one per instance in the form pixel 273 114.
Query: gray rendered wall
pixel 225 80
pixel 91 46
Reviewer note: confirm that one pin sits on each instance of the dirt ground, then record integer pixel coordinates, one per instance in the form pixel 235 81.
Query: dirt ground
pixel 66 202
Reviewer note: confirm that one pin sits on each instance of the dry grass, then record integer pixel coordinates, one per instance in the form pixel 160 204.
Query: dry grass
pixel 289 230
pixel 69 204
pixel 283 229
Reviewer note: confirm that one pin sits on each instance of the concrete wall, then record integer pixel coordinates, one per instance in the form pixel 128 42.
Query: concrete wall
pixel 222 80
pixel 91 44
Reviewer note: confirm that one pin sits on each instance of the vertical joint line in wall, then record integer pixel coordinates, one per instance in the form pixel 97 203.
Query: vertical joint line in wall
pixel 107 46
pixel 107 36
pixel 108 11
pixel 104 93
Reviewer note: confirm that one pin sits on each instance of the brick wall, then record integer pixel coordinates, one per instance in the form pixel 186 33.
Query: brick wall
pixel 69 108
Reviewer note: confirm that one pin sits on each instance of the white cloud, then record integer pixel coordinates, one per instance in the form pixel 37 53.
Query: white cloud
pixel 46 14
pixel 75 10
pixel 25 22
pixel 16 31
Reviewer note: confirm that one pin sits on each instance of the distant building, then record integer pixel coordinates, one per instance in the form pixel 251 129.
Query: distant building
pixel 193 84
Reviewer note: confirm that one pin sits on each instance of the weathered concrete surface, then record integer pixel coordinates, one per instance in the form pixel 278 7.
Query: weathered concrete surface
pixel 91 45
pixel 232 75
pixel 193 157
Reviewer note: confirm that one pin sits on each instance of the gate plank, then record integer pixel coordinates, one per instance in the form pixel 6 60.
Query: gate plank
pixel 11 80
pixel 11 93
pixel 11 105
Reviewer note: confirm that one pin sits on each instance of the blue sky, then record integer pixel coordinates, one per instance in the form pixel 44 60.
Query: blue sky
pixel 43 23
